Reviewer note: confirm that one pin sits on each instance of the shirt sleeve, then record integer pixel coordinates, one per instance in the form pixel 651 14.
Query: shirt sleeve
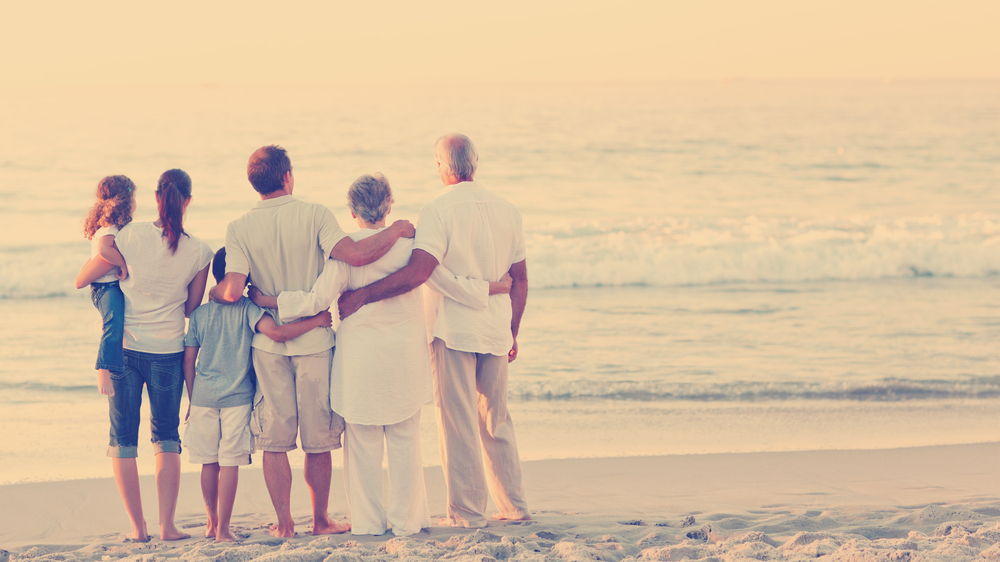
pixel 474 293
pixel 329 285
pixel 253 314
pixel 237 260
pixel 207 255
pixel 431 236
pixel 191 338
pixel 122 240
pixel 330 232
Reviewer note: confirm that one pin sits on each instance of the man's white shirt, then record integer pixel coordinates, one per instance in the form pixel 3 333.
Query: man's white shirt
pixel 475 234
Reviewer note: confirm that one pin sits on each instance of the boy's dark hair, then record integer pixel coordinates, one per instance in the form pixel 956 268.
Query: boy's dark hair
pixel 267 168
pixel 219 265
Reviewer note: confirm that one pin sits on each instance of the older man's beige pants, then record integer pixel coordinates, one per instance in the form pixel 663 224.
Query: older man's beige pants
pixel 478 448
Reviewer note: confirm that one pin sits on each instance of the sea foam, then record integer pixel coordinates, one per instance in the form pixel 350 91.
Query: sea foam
pixel 666 252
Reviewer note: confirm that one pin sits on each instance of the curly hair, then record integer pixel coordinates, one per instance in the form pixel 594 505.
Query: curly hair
pixel 113 207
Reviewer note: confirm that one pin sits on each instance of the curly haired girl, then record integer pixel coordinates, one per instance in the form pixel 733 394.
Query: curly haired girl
pixel 112 211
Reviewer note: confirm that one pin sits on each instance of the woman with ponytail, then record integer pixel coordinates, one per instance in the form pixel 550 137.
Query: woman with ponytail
pixel 167 273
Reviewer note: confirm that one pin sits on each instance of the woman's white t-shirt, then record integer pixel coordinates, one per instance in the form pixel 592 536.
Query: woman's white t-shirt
pixel 95 248
pixel 157 285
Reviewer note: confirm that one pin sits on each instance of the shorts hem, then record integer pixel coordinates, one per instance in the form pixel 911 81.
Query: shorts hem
pixel 242 461
pixel 123 451
pixel 166 447
pixel 275 448
pixel 203 460
pixel 316 450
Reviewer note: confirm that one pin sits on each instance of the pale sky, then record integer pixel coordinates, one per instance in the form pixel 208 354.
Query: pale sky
pixel 450 42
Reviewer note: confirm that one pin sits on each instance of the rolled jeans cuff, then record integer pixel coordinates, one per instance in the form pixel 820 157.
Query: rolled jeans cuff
pixel 166 447
pixel 123 451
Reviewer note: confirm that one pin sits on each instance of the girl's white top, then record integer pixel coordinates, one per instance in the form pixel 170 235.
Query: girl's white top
pixel 157 286
pixel 95 248
pixel 381 366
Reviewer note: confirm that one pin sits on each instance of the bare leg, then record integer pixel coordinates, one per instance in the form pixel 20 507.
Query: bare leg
pixel 317 473
pixel 104 382
pixel 127 478
pixel 229 478
pixel 168 484
pixel 278 477
pixel 210 493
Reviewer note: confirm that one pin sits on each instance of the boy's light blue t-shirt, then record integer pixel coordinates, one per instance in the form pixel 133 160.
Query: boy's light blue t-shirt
pixel 224 373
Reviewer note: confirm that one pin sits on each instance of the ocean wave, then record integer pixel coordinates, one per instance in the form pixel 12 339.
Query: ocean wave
pixel 678 252
pixel 886 390
pixel 666 252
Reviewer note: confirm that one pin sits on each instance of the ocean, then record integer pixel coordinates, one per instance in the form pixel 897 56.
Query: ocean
pixel 714 266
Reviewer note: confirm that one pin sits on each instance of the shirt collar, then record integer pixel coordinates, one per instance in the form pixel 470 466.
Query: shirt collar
pixel 275 202
pixel 461 185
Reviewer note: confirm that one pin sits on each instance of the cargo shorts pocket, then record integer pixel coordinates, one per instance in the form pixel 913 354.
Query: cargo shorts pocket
pixel 258 418
pixel 249 443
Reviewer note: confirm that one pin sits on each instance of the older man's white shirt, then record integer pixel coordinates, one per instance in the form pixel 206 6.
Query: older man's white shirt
pixel 381 369
pixel 495 240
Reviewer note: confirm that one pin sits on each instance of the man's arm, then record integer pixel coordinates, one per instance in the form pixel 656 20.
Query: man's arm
pixel 518 299
pixel 401 281
pixel 267 326
pixel 364 252
pixel 190 357
pixel 230 290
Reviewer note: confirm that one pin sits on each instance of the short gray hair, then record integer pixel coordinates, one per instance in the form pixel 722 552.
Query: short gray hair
pixel 457 156
pixel 370 197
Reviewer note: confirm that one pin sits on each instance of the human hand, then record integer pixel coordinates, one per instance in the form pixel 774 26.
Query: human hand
pixel 325 319
pixel 254 293
pixel 406 230
pixel 512 354
pixel 122 273
pixel 104 384
pixel 349 303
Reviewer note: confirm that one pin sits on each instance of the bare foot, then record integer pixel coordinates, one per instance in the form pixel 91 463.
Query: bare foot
pixel 225 536
pixel 104 382
pixel 283 532
pixel 138 535
pixel 171 533
pixel 330 527
pixel 501 517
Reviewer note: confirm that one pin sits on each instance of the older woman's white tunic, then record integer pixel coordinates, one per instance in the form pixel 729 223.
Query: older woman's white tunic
pixel 381 367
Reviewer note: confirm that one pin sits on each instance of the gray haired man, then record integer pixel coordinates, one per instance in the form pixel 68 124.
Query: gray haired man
pixel 476 234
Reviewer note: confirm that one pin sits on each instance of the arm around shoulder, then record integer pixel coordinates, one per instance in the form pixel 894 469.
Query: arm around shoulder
pixel 364 252
pixel 403 280
pixel 230 289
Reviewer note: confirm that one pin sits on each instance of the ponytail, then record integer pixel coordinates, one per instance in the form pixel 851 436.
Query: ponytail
pixel 173 189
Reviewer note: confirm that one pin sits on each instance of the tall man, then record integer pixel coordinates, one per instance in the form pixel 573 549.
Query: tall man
pixel 476 234
pixel 282 244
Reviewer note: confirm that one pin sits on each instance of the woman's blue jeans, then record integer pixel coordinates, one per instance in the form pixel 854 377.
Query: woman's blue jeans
pixel 162 374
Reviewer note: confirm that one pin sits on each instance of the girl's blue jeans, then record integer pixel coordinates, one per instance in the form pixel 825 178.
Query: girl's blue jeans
pixel 110 302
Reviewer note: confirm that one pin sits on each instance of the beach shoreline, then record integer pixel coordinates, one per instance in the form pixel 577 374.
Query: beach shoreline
pixel 938 502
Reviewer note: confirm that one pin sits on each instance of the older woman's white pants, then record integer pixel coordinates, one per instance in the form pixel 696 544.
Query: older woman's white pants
pixel 406 511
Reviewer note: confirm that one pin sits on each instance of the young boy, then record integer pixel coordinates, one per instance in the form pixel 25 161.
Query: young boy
pixel 221 392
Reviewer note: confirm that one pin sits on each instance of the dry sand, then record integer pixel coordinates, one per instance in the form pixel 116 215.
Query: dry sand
pixel 929 503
